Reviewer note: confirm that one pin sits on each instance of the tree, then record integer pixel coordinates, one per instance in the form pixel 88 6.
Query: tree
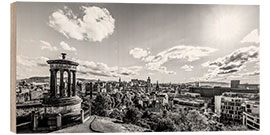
pixel 117 114
pixel 143 123
pixel 146 114
pixel 180 120
pixel 136 101
pixel 197 121
pixel 133 115
pixel 117 99
pixel 102 104
pixel 165 113
pixel 160 123
pixel 190 121
pixel 234 128
pixel 126 100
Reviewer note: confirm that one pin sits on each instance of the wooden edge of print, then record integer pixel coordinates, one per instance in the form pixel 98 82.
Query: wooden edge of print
pixel 13 69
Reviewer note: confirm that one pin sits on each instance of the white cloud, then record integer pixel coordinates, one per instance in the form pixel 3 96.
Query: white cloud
pixel 65 46
pixel 35 61
pixel 252 37
pixel 102 69
pixel 127 71
pixel 181 52
pixel 232 63
pixel 161 69
pixel 254 73
pixel 189 53
pixel 26 65
pixel 95 24
pixel 206 64
pixel 139 53
pixel 187 67
pixel 47 45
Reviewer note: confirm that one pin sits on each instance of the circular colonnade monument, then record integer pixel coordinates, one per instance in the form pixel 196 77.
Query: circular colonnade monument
pixel 62 97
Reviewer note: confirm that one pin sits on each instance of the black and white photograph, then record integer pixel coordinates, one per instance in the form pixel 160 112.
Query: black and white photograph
pixel 134 67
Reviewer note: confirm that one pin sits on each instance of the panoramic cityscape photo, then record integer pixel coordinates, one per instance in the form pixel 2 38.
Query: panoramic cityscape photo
pixel 115 67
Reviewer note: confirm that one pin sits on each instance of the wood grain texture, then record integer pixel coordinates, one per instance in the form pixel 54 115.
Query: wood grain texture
pixel 13 69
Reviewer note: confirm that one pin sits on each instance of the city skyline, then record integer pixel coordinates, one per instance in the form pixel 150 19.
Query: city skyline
pixel 169 43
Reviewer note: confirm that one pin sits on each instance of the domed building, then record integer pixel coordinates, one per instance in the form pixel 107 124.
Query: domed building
pixel 62 106
pixel 62 97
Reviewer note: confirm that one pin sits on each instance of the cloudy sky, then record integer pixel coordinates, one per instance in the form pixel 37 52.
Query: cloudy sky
pixel 169 43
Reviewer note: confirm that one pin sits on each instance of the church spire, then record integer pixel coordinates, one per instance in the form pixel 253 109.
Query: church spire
pixel 157 86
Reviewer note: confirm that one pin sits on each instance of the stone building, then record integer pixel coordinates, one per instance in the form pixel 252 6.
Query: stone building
pixel 148 85
pixel 231 109
pixel 185 104
pixel 251 114
pixel 62 106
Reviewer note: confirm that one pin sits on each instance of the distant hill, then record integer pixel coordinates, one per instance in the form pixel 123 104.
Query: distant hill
pixel 43 79
pixel 86 80
pixel 37 79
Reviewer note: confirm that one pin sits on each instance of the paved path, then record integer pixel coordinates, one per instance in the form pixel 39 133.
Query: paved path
pixel 96 124
pixel 80 128
pixel 92 126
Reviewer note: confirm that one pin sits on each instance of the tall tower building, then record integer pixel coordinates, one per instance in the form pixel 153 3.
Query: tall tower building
pixel 157 86
pixel 235 83
pixel 148 86
pixel 119 79
pixel 120 83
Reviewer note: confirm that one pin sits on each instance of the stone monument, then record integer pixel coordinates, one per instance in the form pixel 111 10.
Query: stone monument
pixel 62 97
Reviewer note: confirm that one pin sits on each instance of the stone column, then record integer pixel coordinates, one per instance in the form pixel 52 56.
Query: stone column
pixel 65 84
pixel 244 120
pixel 52 83
pixel 59 121
pixel 82 115
pixel 35 121
pixel 74 83
pixel 55 83
pixel 61 83
pixel 69 84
